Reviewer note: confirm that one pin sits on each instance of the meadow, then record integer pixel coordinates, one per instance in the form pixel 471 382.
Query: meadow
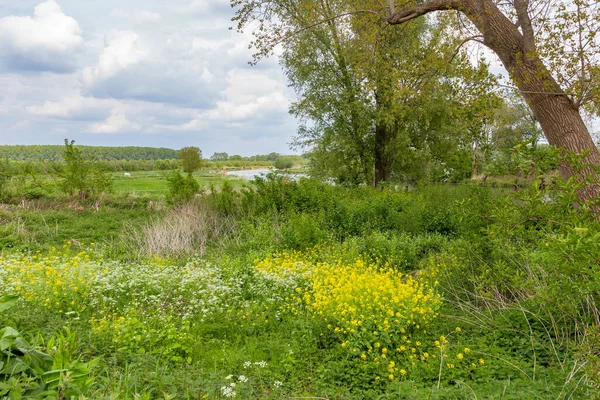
pixel 154 184
pixel 281 289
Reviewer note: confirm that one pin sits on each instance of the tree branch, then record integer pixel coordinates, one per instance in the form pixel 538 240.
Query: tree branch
pixel 522 8
pixel 392 7
pixel 418 10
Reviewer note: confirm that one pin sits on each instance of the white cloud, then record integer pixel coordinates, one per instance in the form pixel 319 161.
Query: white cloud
pixel 250 93
pixel 121 50
pixel 119 13
pixel 250 98
pixel 203 6
pixel 46 41
pixel 116 123
pixel 159 71
pixel 74 106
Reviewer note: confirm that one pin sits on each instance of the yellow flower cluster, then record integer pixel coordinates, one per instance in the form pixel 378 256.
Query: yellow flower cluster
pixel 372 309
pixel 358 297
pixel 55 281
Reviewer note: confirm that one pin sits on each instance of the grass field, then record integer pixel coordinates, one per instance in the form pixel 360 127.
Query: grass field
pixel 154 183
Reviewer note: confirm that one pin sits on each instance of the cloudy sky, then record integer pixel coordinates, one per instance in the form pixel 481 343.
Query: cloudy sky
pixel 112 72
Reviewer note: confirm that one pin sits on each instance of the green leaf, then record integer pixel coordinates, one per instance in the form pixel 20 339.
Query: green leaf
pixel 7 302
pixel 8 336
pixel 52 378
pixel 15 366
pixel 38 361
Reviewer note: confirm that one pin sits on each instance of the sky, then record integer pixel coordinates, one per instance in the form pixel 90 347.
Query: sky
pixel 137 73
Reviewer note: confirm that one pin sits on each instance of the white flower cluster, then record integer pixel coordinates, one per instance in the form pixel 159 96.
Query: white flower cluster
pixel 228 391
pixel 260 364
pixel 196 290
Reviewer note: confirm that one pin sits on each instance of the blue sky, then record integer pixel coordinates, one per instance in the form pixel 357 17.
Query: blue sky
pixel 164 73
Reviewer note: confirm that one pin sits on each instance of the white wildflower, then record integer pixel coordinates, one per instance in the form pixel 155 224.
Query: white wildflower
pixel 228 392
pixel 243 378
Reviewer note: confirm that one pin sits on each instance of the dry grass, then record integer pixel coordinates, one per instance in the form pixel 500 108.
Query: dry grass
pixel 185 230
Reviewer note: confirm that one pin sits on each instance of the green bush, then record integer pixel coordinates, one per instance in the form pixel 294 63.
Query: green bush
pixel 284 162
pixel 301 232
pixel 181 188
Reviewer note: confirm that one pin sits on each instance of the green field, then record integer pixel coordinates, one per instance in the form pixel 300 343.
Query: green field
pixel 154 183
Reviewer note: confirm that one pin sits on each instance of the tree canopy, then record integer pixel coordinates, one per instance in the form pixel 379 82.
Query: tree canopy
pixel 190 159
pixel 549 48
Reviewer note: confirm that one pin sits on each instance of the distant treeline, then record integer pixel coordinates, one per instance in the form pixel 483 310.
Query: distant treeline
pixel 49 167
pixel 105 153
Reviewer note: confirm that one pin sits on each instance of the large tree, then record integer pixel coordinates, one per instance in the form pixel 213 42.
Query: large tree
pixel 549 48
pixel 371 102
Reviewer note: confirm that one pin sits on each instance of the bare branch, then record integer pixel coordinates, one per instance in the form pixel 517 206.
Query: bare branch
pixel 392 7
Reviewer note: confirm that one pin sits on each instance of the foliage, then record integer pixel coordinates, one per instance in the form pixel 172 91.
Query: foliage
pixel 6 173
pixel 56 153
pixel 492 294
pixel 28 372
pixel 81 176
pixel 181 188
pixel 283 162
pixel 219 156
pixel 191 159
pixel 372 104
pixel 548 47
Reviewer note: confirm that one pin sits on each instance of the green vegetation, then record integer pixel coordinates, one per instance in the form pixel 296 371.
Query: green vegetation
pixel 302 289
pixel 56 153
pixel 191 159
pixel 435 252
pixel 378 84
pixel 283 162
pixel 80 176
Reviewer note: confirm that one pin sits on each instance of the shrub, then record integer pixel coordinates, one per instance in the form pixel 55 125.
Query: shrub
pixel 283 162
pixel 181 188
pixel 301 232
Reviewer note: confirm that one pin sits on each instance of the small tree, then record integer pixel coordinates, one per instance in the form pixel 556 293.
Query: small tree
pixel 190 159
pixel 80 176
pixel 75 171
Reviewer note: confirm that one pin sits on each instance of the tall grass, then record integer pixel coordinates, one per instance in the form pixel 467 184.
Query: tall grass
pixel 185 230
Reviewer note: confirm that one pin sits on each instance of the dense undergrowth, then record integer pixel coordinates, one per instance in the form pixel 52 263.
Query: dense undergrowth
pixel 306 290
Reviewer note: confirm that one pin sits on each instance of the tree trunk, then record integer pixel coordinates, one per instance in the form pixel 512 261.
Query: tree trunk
pixel 382 162
pixel 559 118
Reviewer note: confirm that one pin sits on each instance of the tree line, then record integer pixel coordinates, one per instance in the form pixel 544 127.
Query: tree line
pixel 105 153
